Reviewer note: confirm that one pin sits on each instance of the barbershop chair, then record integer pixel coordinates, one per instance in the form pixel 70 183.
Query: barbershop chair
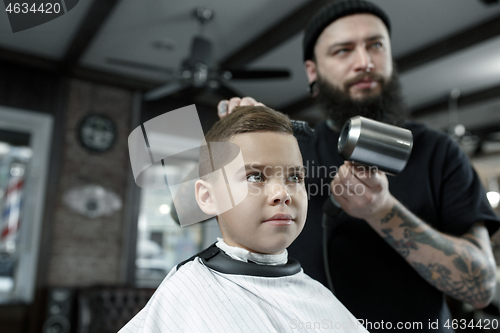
pixel 108 309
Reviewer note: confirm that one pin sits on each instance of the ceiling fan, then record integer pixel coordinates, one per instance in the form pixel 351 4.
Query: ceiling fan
pixel 197 70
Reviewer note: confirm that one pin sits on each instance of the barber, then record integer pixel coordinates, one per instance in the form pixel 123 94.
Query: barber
pixel 407 241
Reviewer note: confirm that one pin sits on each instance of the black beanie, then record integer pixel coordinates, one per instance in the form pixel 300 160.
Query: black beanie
pixel 332 12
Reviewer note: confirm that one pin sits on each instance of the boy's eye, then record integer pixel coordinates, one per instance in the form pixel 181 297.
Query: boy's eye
pixel 255 178
pixel 296 178
pixel 377 45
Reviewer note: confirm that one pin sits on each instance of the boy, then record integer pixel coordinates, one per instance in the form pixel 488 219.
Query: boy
pixel 246 282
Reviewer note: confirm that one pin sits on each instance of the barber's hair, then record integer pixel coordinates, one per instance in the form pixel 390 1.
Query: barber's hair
pixel 243 119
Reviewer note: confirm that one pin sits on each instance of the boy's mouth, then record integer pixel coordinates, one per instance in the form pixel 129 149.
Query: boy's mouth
pixel 280 220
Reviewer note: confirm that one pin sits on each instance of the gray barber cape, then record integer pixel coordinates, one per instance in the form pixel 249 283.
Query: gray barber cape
pixel 211 292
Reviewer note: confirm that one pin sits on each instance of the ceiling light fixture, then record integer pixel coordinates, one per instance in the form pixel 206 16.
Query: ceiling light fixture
pixel 164 209
pixel 493 194
pixel 493 198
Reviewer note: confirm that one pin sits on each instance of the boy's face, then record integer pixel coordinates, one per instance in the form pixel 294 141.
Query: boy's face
pixel 273 213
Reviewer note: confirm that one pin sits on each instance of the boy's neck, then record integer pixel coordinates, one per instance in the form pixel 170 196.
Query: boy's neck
pixel 241 254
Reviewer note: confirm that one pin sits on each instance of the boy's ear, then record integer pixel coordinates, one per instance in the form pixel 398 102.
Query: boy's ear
pixel 204 197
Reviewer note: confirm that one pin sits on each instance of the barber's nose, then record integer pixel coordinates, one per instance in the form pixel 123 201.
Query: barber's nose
pixel 363 61
pixel 279 195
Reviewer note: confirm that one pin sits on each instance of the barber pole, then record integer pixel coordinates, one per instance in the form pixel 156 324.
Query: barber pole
pixel 11 210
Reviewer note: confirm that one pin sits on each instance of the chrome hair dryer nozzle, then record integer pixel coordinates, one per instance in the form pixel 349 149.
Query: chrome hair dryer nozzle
pixel 373 143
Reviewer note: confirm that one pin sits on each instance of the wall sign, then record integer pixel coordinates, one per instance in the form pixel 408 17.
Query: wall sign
pixel 92 201
pixel 97 133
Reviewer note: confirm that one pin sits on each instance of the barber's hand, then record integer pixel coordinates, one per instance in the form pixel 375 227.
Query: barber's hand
pixel 225 107
pixel 362 193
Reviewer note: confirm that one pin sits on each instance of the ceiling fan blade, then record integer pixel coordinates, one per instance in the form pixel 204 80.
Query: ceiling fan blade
pixel 201 51
pixel 138 65
pixel 164 90
pixel 254 74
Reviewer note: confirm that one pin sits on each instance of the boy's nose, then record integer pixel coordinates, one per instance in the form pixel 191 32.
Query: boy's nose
pixel 279 195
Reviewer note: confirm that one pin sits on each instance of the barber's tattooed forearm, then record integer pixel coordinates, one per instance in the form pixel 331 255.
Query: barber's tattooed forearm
pixel 402 246
pixel 469 288
pixel 470 271
pixel 430 237
pixel 411 236
pixel 472 240
pixel 391 214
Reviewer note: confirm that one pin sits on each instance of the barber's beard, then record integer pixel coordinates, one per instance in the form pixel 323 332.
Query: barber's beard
pixel 388 106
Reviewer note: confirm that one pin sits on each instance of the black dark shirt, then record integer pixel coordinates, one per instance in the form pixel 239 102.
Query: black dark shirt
pixel 370 278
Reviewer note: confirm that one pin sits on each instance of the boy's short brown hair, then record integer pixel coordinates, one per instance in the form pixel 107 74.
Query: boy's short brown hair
pixel 243 119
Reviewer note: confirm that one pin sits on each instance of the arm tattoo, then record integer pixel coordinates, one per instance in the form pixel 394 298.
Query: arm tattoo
pixel 403 246
pixel 470 284
pixel 428 236
pixel 472 239
pixel 389 216
pixel 469 288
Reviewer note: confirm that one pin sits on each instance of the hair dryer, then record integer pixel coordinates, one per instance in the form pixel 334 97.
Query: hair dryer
pixel 372 143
